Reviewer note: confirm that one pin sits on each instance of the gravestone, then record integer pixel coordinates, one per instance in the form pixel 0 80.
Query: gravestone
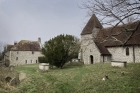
pixel 22 76
pixel 14 81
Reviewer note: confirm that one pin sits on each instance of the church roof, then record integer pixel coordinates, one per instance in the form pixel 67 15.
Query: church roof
pixel 93 22
pixel 26 45
pixel 103 50
pixel 119 36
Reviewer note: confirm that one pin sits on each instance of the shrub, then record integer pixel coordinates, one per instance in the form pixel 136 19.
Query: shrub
pixel 42 60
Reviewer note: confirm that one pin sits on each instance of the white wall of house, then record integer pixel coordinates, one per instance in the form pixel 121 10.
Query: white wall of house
pixel 24 57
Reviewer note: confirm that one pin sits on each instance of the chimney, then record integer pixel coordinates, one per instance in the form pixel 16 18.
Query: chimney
pixel 39 39
pixel 15 42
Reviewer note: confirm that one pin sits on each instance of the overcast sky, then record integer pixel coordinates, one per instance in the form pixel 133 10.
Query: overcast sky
pixel 30 19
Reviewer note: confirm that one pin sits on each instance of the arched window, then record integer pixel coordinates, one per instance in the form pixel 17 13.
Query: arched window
pixel 127 51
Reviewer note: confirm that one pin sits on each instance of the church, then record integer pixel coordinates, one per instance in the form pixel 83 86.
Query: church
pixel 99 45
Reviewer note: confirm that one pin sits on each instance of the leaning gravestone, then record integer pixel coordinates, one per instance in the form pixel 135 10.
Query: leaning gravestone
pixel 14 81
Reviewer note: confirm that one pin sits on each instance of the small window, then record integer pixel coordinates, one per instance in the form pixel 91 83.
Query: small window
pixel 17 52
pixel 31 61
pixel 32 52
pixel 16 58
pixel 36 61
pixel 127 51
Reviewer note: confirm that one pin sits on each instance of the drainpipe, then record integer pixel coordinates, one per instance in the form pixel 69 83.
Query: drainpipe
pixel 134 54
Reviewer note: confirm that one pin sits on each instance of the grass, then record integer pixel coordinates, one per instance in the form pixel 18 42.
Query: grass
pixel 77 78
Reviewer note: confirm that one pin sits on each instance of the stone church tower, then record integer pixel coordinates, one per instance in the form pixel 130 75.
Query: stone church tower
pixel 88 46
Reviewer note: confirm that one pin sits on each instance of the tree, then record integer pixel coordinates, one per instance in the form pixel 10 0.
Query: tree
pixel 61 49
pixel 2 50
pixel 115 12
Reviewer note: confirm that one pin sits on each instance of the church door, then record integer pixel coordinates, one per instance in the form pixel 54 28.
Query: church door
pixel 91 59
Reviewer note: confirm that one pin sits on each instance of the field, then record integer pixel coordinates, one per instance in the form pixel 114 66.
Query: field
pixel 78 78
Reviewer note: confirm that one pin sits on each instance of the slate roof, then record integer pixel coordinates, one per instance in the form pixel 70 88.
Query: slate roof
pixel 93 22
pixel 26 45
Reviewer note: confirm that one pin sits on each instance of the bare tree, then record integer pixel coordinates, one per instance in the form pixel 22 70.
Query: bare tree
pixel 115 12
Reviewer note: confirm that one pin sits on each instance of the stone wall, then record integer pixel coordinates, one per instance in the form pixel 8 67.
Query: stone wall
pixel 105 59
pixel 88 49
pixel 137 54
pixel 119 54
pixel 24 57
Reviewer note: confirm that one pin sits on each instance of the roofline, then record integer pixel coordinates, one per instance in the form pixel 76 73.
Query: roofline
pixel 123 45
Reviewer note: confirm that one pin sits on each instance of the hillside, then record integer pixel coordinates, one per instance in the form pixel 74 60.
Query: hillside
pixel 77 78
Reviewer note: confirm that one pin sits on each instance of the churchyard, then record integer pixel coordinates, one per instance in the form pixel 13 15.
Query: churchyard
pixel 77 78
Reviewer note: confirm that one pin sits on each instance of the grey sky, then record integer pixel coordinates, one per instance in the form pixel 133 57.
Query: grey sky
pixel 30 19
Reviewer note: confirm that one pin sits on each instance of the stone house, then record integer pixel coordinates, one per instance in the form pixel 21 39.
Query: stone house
pixel 23 52
pixel 100 44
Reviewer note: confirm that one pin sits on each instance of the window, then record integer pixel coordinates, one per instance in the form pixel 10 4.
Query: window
pixel 36 61
pixel 31 61
pixel 16 58
pixel 127 51
pixel 17 52
pixel 32 52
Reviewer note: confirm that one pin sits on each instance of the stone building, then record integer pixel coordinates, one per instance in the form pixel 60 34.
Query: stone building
pixel 100 44
pixel 23 52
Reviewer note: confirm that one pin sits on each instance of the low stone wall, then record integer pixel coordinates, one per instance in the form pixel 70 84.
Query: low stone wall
pixel 118 63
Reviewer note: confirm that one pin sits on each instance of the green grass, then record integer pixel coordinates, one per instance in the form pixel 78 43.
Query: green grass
pixel 80 79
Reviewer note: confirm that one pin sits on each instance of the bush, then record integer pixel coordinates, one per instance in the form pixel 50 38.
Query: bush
pixel 42 60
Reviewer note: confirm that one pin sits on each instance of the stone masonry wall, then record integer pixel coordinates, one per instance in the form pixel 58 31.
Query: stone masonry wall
pixel 119 54
pixel 89 48
pixel 137 54
pixel 24 57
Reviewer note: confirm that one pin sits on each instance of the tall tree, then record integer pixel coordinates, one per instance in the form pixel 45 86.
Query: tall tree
pixel 61 49
pixel 116 12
